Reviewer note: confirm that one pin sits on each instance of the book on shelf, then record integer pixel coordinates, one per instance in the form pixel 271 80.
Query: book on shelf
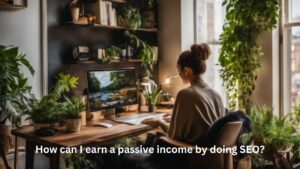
pixel 104 12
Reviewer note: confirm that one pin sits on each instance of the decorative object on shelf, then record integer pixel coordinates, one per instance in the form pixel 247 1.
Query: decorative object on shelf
pixel 130 17
pixel 81 53
pixel 47 112
pixel 72 113
pixel 113 52
pixel 240 53
pixel 129 53
pixel 75 10
pixel 91 19
pixel 13 93
pixel 104 12
pixel 109 54
pixel 146 52
pixel 123 54
pixel 149 17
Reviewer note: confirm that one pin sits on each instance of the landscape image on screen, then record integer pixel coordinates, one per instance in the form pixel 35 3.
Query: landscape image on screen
pixel 108 89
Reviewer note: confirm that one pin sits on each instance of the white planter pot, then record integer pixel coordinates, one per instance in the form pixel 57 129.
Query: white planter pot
pixel 75 14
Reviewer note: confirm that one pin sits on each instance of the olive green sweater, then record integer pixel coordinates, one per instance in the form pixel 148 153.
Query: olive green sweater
pixel 196 109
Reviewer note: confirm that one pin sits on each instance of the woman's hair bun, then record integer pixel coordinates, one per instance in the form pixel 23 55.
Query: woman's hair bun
pixel 201 51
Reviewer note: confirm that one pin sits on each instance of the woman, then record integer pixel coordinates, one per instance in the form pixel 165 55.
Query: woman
pixel 198 106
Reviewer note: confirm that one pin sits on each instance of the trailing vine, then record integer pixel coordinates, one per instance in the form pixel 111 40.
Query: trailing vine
pixel 240 53
pixel 146 52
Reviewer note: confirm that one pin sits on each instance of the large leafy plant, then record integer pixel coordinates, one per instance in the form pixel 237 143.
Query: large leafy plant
pixel 270 130
pixel 240 53
pixel 133 16
pixel 50 109
pixel 275 133
pixel 13 85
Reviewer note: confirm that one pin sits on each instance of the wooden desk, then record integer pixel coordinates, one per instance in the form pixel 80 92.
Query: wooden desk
pixel 89 135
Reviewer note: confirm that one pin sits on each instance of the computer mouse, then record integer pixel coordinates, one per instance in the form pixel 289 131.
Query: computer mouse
pixel 103 124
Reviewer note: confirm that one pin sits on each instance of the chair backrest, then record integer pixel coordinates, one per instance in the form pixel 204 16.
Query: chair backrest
pixel 229 134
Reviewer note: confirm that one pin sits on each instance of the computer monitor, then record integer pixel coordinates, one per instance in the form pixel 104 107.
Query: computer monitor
pixel 108 89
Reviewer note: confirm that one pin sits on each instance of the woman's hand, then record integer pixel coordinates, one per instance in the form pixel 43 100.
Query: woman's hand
pixel 152 121
pixel 167 117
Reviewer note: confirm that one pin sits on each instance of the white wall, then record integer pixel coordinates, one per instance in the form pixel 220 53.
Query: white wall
pixel 176 33
pixel 267 84
pixel 22 28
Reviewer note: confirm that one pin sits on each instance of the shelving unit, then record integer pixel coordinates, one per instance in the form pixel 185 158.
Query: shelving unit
pixel 154 30
pixel 64 35
pixel 111 62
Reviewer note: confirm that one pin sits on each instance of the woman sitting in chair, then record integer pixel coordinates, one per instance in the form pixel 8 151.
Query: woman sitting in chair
pixel 198 106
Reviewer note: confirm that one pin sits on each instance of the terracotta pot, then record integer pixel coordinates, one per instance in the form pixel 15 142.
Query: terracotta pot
pixel 5 138
pixel 73 125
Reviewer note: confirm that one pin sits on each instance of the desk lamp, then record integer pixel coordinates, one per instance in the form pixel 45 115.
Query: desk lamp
pixel 166 96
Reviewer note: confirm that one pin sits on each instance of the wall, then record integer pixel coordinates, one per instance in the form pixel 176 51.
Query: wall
pixel 22 28
pixel 267 84
pixel 175 35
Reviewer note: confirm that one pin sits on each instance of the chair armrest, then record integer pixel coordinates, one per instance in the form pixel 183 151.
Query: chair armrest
pixel 175 142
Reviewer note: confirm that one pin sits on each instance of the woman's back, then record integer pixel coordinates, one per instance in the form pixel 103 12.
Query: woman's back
pixel 195 110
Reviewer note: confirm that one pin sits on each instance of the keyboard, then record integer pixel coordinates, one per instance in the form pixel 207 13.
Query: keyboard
pixel 138 118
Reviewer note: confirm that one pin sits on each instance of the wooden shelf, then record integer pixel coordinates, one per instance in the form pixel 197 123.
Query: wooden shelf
pixel 154 30
pixel 117 1
pixel 111 62
pixel 12 6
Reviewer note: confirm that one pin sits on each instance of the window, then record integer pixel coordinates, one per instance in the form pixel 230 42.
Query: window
pixel 209 19
pixel 291 50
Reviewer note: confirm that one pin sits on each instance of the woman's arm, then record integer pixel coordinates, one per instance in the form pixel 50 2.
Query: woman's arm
pixel 157 123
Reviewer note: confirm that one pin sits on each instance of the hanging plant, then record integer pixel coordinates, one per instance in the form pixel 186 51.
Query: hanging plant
pixel 146 52
pixel 240 53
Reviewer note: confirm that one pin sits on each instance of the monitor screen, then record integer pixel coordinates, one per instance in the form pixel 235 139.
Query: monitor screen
pixel 111 88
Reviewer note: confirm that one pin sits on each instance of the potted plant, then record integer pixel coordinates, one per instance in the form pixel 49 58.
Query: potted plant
pixel 277 134
pixel 72 114
pixel 149 17
pixel 151 97
pixel 79 161
pixel 75 10
pixel 13 93
pixel 145 51
pixel 130 17
pixel 239 46
pixel 48 111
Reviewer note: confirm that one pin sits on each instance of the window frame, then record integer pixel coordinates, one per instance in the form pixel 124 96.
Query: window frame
pixel 214 42
pixel 286 27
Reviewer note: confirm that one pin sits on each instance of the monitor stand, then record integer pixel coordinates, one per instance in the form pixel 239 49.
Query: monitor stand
pixel 112 113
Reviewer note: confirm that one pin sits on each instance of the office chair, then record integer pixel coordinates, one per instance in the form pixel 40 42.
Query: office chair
pixel 228 138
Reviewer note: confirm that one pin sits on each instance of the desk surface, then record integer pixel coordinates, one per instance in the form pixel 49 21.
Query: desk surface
pixel 88 134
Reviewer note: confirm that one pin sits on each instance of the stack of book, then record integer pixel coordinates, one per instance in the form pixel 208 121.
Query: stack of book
pixel 105 13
